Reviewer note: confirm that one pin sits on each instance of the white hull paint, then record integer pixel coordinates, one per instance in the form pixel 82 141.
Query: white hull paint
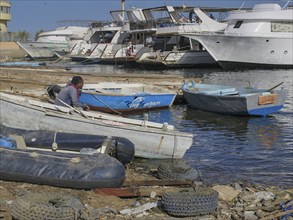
pixel 259 50
pixel 151 140
pixel 262 37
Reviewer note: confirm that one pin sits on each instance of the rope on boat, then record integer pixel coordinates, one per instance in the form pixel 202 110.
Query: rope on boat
pixel 73 108
pixel 175 145
pixel 117 112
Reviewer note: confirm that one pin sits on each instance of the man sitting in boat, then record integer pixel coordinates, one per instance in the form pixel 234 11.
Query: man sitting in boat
pixel 69 95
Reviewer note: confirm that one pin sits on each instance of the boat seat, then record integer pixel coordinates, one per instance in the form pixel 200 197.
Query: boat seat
pixel 20 143
pixel 224 92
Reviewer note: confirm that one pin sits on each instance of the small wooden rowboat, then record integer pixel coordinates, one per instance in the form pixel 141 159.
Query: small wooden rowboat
pixel 232 100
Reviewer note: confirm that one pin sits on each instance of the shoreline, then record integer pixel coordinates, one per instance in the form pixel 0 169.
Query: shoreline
pixel 236 200
pixel 239 200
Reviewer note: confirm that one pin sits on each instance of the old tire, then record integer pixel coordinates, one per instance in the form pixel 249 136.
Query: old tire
pixel 178 170
pixel 124 153
pixel 46 206
pixel 182 204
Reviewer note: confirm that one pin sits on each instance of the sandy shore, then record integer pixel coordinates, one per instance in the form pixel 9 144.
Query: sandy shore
pixel 236 201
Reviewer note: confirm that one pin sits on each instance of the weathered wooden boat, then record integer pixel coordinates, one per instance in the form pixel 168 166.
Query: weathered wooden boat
pixel 151 139
pixel 59 169
pixel 125 97
pixel 118 147
pixel 234 100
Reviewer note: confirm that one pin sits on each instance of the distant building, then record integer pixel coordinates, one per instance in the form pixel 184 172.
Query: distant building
pixel 5 14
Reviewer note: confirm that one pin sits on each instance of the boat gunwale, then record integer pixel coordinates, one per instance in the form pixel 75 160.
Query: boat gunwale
pixel 98 121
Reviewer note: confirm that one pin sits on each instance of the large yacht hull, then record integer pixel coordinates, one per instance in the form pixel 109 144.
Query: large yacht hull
pixel 247 51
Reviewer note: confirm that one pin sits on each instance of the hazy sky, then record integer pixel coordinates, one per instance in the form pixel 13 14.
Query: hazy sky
pixel 32 16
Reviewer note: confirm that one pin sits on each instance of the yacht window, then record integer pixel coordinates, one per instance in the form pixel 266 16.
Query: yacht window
pixel 282 26
pixel 238 24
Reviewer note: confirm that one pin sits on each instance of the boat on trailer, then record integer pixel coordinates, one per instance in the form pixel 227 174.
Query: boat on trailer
pixel 151 139
pixel 234 100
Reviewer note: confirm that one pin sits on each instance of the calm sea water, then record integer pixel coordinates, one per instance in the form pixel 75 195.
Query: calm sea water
pixel 231 148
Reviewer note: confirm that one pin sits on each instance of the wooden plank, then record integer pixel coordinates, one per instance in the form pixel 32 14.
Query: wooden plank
pixel 119 192
pixel 131 192
pixel 267 99
pixel 158 182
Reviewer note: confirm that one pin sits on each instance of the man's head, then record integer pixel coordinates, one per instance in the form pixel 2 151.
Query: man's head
pixel 77 81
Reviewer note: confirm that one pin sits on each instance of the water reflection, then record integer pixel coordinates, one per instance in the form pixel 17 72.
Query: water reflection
pixel 229 148
pixel 261 131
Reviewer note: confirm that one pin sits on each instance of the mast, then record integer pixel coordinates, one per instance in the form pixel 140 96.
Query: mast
pixel 123 8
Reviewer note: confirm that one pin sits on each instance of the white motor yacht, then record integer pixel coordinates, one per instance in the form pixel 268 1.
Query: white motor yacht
pixel 258 38
pixel 170 50
pixel 56 42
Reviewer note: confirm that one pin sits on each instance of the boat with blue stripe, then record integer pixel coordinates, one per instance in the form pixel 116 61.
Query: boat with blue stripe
pixel 231 100
pixel 126 97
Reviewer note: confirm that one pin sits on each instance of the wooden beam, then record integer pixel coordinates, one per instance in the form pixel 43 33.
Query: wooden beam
pixel 158 182
pixel 129 192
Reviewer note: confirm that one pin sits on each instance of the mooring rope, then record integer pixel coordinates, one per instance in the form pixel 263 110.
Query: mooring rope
pixel 105 104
